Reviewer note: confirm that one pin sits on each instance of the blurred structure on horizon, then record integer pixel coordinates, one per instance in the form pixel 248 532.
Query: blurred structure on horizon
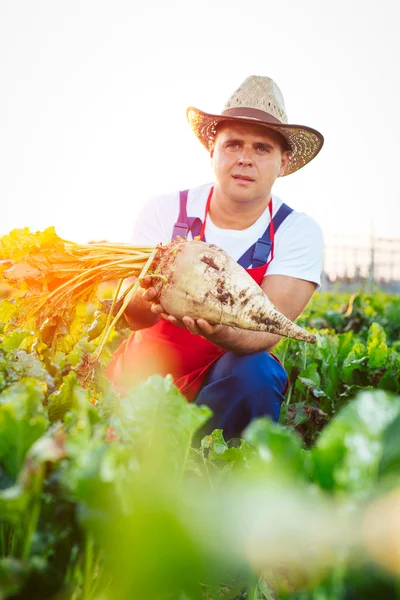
pixel 361 262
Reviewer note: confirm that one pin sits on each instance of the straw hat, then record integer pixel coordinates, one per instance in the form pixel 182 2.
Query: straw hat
pixel 259 100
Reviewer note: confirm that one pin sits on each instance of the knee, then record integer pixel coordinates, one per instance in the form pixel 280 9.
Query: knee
pixel 261 370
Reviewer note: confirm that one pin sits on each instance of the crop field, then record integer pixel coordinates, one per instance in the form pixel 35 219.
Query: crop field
pixel 109 498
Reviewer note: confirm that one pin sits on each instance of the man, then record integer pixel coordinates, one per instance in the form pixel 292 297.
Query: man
pixel 231 370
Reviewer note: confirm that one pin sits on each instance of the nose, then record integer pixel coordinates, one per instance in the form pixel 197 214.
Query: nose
pixel 245 158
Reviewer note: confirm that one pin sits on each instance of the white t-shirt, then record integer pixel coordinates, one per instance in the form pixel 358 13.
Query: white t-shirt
pixel 298 242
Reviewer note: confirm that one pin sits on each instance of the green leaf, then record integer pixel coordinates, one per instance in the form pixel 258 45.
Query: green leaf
pixel 355 360
pixel 279 447
pixel 21 364
pixel 12 341
pixel 159 422
pixel 346 343
pixel 218 450
pixel 62 400
pixel 312 387
pixel 76 327
pixel 328 351
pixel 13 574
pixel 390 458
pixel 311 373
pixel 22 421
pixel 13 502
pixel 16 501
pixel 378 356
pixel 390 379
pixel 7 310
pixel 299 414
pixel 376 346
pixel 348 451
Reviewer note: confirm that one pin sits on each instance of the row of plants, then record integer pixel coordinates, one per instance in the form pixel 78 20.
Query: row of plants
pixel 358 348
pixel 107 498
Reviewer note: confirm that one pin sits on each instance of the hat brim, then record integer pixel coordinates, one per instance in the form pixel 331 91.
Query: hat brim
pixel 304 142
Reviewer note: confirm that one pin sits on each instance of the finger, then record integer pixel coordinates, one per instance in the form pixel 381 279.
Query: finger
pixel 172 319
pixel 157 309
pixel 191 325
pixel 175 321
pixel 205 327
pixel 149 294
pixel 146 282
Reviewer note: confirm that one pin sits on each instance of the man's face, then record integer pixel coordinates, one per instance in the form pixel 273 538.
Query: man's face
pixel 247 159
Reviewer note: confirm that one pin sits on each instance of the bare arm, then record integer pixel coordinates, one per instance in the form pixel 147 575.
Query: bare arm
pixel 290 296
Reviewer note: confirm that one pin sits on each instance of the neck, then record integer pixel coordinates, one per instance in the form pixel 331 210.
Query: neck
pixel 228 213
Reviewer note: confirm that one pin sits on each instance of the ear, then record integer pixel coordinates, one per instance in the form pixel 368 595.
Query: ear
pixel 284 161
pixel 211 149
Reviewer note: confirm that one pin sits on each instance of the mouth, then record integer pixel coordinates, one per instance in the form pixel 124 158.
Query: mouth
pixel 244 178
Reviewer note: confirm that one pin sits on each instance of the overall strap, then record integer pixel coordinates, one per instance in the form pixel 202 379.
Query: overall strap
pixel 184 223
pixel 257 254
pixel 181 227
pixel 196 229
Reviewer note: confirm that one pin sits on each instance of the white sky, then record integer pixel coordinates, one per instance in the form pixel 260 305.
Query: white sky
pixel 94 93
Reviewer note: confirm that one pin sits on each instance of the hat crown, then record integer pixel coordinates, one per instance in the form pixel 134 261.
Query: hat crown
pixel 260 93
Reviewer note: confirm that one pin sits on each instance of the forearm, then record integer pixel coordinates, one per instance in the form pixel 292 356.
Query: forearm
pixel 242 341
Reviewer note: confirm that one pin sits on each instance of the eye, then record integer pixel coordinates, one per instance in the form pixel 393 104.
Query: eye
pixel 233 145
pixel 263 149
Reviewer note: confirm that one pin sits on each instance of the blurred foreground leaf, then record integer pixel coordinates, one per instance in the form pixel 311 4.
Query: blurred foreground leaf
pixel 22 421
pixel 348 451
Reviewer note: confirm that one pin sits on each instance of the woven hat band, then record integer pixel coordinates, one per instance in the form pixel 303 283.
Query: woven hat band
pixel 252 113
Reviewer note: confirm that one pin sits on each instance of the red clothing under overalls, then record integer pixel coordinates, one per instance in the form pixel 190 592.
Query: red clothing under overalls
pixel 165 348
